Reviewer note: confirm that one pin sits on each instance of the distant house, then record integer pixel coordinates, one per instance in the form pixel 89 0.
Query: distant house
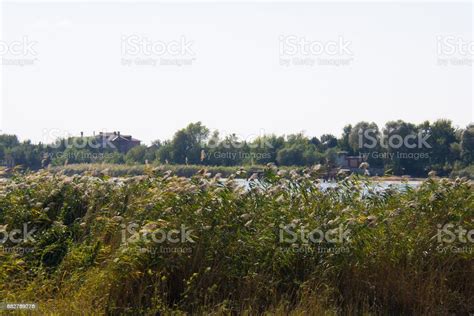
pixel 344 161
pixel 352 164
pixel 115 140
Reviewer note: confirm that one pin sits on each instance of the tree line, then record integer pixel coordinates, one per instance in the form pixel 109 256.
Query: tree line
pixel 400 148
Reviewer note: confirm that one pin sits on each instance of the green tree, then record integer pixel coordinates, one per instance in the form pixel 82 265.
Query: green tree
pixel 364 139
pixel 328 141
pixel 266 148
pixel 164 153
pixel 187 143
pixel 467 145
pixel 299 151
pixel 441 135
pixel 402 141
pixel 136 154
pixel 343 142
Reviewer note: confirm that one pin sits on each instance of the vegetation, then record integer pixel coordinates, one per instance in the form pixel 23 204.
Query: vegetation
pixel 118 170
pixel 439 147
pixel 237 261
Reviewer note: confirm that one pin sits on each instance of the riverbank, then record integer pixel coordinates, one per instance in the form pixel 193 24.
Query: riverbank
pixel 122 170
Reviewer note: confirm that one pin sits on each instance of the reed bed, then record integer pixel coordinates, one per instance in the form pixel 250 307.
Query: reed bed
pixel 217 247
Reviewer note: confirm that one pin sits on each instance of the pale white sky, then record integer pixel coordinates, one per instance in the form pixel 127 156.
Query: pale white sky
pixel 237 78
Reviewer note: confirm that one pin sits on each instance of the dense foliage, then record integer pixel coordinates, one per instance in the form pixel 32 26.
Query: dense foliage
pixel 445 149
pixel 79 261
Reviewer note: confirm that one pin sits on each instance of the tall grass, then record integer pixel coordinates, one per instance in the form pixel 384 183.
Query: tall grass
pixel 118 170
pixel 237 262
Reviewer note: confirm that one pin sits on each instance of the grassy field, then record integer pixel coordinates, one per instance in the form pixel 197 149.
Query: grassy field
pixel 161 244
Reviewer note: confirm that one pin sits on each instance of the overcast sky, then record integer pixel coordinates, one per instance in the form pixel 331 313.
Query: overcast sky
pixel 248 68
